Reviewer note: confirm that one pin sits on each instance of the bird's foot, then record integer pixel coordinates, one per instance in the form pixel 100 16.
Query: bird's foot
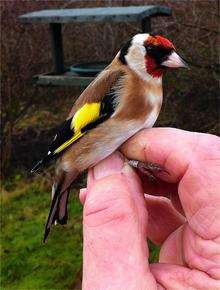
pixel 148 168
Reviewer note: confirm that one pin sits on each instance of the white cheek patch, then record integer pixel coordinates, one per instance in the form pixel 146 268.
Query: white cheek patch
pixel 135 59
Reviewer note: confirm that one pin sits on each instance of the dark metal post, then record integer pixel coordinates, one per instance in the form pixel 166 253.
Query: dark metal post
pixel 57 47
pixel 146 25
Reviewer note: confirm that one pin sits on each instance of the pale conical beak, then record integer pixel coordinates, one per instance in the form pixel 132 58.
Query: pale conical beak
pixel 174 61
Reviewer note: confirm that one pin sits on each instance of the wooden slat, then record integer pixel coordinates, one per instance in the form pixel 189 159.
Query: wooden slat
pixel 107 14
pixel 66 79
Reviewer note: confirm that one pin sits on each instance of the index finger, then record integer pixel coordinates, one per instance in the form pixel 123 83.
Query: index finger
pixel 192 160
pixel 174 149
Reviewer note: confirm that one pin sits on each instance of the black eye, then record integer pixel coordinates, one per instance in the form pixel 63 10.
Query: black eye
pixel 149 48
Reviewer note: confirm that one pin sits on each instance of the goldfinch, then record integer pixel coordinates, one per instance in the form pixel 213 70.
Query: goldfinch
pixel 124 98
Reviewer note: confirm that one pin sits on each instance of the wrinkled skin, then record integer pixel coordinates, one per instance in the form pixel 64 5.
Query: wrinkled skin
pixel 181 213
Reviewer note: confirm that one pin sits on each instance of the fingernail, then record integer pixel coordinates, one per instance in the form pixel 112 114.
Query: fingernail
pixel 109 166
pixel 82 195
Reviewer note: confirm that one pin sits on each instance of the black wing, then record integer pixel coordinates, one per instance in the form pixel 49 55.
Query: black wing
pixel 65 132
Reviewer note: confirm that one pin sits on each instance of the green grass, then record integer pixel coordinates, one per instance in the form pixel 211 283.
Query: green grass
pixel 27 263
pixel 154 252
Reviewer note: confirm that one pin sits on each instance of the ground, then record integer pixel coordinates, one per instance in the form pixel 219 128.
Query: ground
pixel 27 263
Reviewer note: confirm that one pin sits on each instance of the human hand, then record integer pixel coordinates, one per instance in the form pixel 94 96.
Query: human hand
pixel 182 213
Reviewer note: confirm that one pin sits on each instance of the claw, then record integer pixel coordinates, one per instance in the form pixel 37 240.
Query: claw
pixel 148 168
pixel 151 167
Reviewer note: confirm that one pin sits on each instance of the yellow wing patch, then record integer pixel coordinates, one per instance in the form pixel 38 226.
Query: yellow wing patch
pixel 87 114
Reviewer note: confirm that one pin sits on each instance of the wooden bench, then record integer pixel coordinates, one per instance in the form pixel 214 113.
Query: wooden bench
pixel 55 18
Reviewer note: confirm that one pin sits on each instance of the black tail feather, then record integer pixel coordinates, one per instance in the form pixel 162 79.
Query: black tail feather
pixel 60 195
pixel 52 215
pixel 58 211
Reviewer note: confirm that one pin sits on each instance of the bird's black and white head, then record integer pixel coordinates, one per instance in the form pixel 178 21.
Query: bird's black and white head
pixel 150 55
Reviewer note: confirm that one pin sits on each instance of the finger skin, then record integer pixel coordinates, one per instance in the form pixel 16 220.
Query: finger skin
pixel 114 229
pixel 171 251
pixel 171 148
pixel 163 219
pixel 193 161
pixel 162 188
pixel 197 173
pixel 165 146
pixel 175 277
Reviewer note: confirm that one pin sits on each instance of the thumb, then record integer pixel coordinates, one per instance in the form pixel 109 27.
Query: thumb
pixel 114 222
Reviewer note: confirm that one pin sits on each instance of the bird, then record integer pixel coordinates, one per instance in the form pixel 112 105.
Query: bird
pixel 123 99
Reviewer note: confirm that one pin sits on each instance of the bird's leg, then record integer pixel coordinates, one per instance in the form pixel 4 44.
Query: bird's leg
pixel 147 168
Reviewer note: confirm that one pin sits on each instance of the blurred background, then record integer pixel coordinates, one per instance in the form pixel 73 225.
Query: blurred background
pixel 30 114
